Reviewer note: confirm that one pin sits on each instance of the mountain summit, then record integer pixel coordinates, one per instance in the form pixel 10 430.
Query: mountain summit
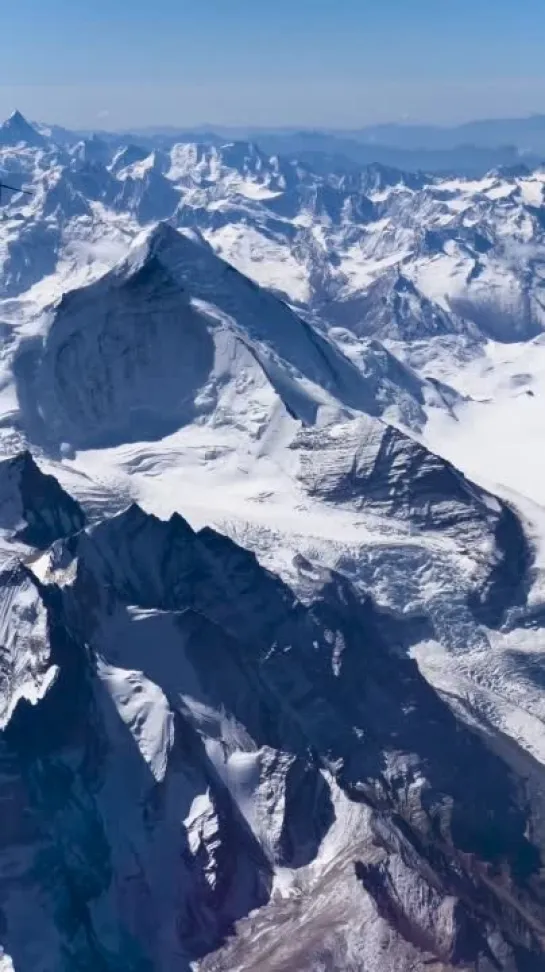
pixel 180 325
pixel 16 130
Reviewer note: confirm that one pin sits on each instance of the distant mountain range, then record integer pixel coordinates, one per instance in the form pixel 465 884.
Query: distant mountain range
pixel 471 148
pixel 380 252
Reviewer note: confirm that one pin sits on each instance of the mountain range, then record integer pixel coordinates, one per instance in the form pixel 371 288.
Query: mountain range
pixel 467 149
pixel 272 581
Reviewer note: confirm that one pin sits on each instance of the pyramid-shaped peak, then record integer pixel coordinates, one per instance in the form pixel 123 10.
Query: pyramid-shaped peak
pixel 164 238
pixel 179 254
pixel 164 234
pixel 16 118
pixel 17 129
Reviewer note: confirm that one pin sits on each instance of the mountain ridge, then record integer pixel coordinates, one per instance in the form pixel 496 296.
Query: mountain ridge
pixel 214 874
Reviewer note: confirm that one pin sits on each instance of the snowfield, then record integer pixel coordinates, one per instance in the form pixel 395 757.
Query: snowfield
pixel 272 553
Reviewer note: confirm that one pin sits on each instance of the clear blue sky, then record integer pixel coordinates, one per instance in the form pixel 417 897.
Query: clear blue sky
pixel 311 62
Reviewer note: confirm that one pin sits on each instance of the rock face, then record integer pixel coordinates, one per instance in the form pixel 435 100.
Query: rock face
pixel 187 737
pixel 34 509
pixel 367 466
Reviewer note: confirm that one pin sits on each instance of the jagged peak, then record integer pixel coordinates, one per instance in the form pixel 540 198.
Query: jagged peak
pixel 161 241
pixel 377 176
pixel 24 463
pixel 16 118
pixel 17 128
pixel 23 459
pixel 134 518
pixel 34 506
pixel 164 234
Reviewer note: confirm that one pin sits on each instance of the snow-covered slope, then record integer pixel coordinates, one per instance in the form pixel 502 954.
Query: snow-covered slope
pixel 183 334
pixel 16 131
pixel 210 751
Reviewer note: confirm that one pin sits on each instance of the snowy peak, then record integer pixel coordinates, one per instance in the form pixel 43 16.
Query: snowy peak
pixel 145 192
pixel 34 509
pixel 182 328
pixel 17 131
pixel 258 316
pixel 174 250
pixel 63 198
pixel 185 331
pixel 235 167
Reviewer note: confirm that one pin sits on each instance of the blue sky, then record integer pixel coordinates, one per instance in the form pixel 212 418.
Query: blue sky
pixel 295 62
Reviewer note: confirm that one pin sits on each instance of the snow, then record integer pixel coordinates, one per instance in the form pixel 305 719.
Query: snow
pixel 26 672
pixel 360 271
pixel 262 259
pixel 145 711
pixel 470 187
pixel 442 277
pixel 500 191
pixel 497 429
pixel 140 366
pixel 532 191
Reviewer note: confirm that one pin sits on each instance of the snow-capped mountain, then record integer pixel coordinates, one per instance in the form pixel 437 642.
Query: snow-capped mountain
pixel 272 668
pixel 200 757
pixel 16 131
pixel 377 252
pixel 382 253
